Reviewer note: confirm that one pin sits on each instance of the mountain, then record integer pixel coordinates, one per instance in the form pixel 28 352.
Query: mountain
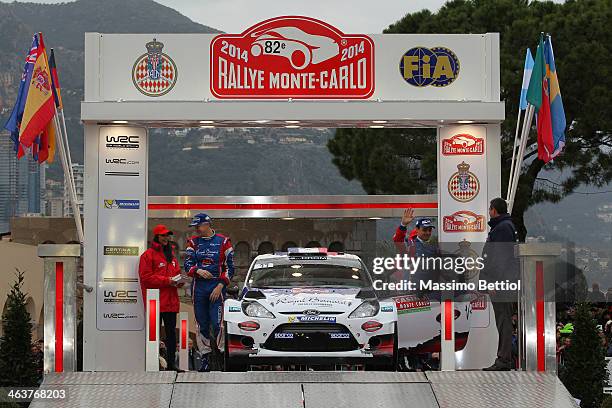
pixel 63 26
pixel 252 169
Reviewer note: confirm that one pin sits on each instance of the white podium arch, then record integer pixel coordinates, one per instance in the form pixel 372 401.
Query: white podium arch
pixel 119 106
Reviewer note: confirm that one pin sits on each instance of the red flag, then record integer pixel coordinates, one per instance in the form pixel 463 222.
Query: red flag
pixel 39 107
pixel 546 144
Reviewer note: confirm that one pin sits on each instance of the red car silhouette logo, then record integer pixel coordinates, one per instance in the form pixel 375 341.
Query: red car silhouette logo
pixel 299 47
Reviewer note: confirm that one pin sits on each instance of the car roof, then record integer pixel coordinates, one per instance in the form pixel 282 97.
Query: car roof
pixel 340 259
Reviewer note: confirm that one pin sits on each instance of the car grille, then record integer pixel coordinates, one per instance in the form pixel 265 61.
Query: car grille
pixel 298 312
pixel 311 337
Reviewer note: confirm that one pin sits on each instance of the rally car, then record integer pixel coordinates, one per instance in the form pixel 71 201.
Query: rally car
pixel 311 307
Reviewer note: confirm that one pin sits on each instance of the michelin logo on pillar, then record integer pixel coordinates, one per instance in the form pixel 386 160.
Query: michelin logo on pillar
pixel 122 204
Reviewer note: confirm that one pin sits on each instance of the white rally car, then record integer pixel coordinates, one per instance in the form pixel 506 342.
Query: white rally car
pixel 309 307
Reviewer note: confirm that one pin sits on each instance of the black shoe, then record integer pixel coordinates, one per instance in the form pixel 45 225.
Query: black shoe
pixel 499 366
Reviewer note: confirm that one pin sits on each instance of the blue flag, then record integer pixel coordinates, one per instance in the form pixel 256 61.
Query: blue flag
pixel 557 113
pixel 14 121
pixel 526 78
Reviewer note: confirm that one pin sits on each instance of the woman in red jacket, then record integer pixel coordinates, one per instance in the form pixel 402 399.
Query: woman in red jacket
pixel 157 267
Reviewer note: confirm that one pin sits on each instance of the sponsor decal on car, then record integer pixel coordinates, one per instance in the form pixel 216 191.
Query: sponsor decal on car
pixel 283 335
pixel 411 304
pixel 339 335
pixel 462 144
pixel 312 319
pixel 292 57
pixel 309 302
pixel 234 309
pixel 386 309
pixel 479 303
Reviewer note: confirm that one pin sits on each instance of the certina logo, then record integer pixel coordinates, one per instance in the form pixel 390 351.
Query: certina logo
pixel 437 66
pixel 463 221
pixel 120 250
pixel 122 142
pixel 463 144
pixel 121 161
pixel 120 296
pixel 292 57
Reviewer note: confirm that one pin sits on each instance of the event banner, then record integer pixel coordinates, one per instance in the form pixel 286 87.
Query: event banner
pixel 122 220
pixel 295 57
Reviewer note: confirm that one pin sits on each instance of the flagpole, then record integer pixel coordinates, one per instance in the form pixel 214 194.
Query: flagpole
pixel 69 157
pixel 521 154
pixel 514 146
pixel 76 211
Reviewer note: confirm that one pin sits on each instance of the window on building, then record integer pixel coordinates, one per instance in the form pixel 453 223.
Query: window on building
pixel 265 248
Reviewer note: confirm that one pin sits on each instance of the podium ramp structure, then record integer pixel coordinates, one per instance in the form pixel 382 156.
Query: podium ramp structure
pixel 311 389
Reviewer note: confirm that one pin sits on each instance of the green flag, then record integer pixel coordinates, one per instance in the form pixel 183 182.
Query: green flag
pixel 534 92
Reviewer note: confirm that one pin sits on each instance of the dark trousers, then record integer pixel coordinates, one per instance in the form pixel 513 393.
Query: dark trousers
pixel 169 320
pixel 503 320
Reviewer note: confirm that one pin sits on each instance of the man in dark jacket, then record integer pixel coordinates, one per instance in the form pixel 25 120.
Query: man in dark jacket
pixel 500 264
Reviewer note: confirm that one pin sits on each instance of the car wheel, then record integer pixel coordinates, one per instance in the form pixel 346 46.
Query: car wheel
pixel 386 363
pixel 230 364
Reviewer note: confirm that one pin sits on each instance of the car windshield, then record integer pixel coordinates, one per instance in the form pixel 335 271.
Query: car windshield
pixel 292 275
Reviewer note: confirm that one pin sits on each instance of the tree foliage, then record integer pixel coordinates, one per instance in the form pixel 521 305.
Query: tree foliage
pixel 584 373
pixel 582 42
pixel 17 367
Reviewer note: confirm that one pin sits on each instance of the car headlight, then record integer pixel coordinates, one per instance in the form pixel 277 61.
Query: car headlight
pixel 255 309
pixel 368 308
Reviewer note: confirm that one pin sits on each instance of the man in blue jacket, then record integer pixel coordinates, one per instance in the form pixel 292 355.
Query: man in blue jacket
pixel 500 264
pixel 209 259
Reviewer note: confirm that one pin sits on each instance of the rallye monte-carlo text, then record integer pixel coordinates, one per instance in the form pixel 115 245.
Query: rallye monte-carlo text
pixel 309 307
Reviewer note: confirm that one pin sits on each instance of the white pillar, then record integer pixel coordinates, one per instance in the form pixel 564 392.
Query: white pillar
pixel 183 341
pixel 469 169
pixel 115 214
pixel 152 331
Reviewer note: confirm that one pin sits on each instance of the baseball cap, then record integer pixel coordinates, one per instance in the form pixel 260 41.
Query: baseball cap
pixel 161 230
pixel 425 223
pixel 200 218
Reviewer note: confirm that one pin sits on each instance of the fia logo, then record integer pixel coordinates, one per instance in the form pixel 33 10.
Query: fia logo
pixel 421 66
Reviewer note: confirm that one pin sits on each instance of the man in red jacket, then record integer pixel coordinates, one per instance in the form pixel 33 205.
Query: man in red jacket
pixel 157 267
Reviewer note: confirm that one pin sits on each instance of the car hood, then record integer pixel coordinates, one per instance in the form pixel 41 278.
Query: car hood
pixel 297 300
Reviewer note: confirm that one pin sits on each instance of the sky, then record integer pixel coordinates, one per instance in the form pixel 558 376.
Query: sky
pixel 349 16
